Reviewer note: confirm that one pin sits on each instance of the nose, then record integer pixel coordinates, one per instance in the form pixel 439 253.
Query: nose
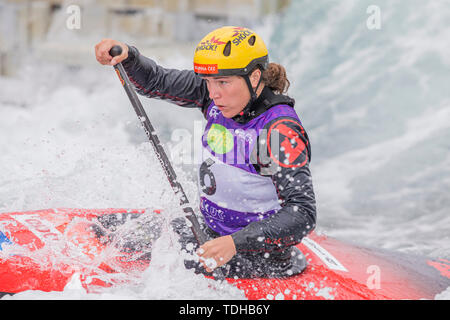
pixel 214 92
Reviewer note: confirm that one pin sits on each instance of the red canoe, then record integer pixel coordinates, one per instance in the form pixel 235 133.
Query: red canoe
pixel 41 250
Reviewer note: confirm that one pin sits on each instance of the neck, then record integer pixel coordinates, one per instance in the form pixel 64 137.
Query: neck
pixel 250 110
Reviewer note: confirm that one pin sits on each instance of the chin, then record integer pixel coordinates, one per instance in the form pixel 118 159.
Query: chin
pixel 229 114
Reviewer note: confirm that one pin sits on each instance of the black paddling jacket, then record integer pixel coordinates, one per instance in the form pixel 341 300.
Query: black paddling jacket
pixel 297 215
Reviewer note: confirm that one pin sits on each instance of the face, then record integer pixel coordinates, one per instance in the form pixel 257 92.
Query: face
pixel 230 94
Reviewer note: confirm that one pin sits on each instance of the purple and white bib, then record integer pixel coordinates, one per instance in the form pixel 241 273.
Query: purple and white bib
pixel 232 193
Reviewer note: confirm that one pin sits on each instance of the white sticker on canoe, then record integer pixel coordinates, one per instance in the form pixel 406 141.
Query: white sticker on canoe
pixel 324 255
pixel 42 228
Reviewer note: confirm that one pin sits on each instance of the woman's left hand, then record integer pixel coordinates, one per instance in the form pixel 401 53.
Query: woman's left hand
pixel 221 249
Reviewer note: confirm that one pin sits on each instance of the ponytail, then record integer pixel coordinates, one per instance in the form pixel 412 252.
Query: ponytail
pixel 275 78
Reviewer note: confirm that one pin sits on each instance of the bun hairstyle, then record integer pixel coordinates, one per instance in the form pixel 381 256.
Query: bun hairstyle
pixel 275 78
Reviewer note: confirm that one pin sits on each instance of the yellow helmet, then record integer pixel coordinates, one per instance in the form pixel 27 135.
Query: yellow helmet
pixel 230 51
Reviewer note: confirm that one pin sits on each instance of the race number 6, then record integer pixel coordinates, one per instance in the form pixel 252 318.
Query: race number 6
pixel 209 186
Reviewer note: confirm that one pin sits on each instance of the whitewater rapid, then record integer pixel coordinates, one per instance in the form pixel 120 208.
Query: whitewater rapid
pixel 376 106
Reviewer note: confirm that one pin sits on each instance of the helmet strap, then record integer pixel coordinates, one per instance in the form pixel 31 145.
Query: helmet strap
pixel 242 116
pixel 253 93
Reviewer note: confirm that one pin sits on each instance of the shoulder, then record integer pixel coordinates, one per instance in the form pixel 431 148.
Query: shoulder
pixel 280 111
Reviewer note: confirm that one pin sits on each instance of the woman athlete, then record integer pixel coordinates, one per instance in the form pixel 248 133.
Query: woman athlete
pixel 256 192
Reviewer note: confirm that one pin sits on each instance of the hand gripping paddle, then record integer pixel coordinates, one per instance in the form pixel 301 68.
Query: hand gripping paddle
pixel 161 155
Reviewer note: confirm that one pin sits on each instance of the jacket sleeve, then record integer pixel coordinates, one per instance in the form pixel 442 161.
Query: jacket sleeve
pixel 181 87
pixel 287 163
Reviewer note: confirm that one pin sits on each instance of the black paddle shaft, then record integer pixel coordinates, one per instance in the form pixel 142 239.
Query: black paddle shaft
pixel 160 153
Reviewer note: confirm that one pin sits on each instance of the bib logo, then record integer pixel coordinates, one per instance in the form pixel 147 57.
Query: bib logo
pixel 210 45
pixel 214 112
pixel 240 35
pixel 292 152
pixel 219 139
pixel 211 211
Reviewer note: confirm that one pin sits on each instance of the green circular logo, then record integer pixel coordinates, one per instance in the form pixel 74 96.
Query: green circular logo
pixel 220 139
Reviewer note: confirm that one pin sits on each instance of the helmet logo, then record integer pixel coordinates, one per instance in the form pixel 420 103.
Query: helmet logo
pixel 206 68
pixel 209 44
pixel 240 34
pixel 230 51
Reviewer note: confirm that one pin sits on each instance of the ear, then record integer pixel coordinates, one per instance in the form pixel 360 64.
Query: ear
pixel 254 77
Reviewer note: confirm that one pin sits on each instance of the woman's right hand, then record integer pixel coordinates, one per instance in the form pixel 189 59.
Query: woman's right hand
pixel 102 52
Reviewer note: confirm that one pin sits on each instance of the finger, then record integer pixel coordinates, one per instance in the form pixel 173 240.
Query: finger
pixel 203 264
pixel 98 56
pixel 103 58
pixel 105 61
pixel 220 261
pixel 203 251
pixel 117 60
pixel 207 268
pixel 211 263
pixel 103 50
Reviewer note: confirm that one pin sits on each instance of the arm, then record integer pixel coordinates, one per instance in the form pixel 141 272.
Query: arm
pixel 288 166
pixel 183 88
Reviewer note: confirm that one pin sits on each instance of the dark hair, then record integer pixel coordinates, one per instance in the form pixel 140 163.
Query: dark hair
pixel 275 78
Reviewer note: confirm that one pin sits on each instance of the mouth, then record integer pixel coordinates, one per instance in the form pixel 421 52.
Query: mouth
pixel 220 107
